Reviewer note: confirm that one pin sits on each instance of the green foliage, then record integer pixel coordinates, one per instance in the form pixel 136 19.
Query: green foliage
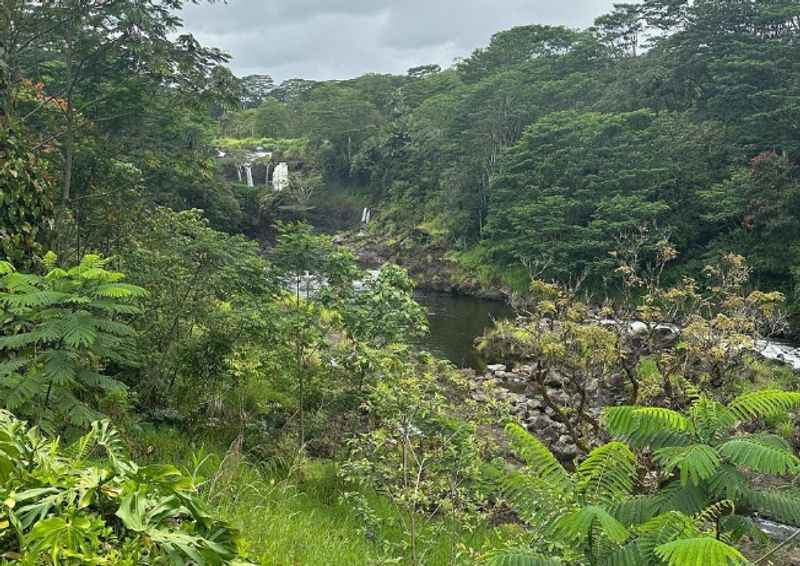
pixel 87 503
pixel 700 551
pixel 593 514
pixel 63 334
pixel 712 453
pixel 25 197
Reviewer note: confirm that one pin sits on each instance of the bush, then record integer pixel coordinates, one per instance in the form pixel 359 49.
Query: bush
pixel 89 504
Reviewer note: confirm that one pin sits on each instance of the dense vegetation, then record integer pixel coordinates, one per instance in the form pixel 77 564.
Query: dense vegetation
pixel 636 183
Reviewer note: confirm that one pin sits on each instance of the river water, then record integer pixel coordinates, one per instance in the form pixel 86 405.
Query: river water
pixel 455 321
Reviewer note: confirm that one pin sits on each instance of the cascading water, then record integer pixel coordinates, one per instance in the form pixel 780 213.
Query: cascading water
pixel 280 177
pixel 249 171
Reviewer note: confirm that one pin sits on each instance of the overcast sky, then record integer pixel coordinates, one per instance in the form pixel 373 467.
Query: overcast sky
pixel 338 39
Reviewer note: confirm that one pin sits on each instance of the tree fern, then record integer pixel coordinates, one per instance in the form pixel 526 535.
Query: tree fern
pixel 695 463
pixel 537 457
pixel 607 474
pixel 59 332
pixel 577 526
pixel 519 557
pixel 765 403
pixel 647 426
pixel 760 454
pixel 700 551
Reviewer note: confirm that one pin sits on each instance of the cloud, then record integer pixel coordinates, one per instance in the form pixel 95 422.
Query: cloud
pixel 336 39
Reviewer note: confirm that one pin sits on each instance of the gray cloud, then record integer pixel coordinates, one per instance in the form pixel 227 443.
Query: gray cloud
pixel 336 39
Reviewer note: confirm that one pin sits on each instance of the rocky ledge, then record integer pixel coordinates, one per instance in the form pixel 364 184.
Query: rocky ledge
pixel 513 389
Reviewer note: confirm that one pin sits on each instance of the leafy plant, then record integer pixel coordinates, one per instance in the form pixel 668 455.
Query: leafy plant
pixel 591 514
pixel 63 333
pixel 87 503
pixel 708 456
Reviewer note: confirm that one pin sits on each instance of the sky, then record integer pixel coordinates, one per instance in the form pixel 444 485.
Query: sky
pixel 340 39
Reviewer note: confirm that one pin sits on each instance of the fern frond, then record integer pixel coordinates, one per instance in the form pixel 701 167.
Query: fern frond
pixel 759 454
pixel 636 510
pixel 534 500
pixel 120 291
pixel 714 512
pixel 695 463
pixel 688 499
pixel 538 458
pixel 6 268
pixel 765 403
pixel 648 426
pixel 700 551
pixel 37 299
pixel 79 330
pixel 629 555
pixel 664 528
pixel 577 526
pixel 607 474
pixel 728 483
pixel 711 419
pixel 780 505
pixel 519 557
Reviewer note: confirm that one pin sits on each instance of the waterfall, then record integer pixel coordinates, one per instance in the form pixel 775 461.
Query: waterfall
pixel 280 177
pixel 366 214
pixel 239 173
pixel 266 175
pixel 249 170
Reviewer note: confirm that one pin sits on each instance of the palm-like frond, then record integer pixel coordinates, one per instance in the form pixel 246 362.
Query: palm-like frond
pixel 607 474
pixel 760 454
pixel 688 499
pixel 728 482
pixel 664 528
pixel 533 499
pixel 699 551
pixel 648 426
pixel 695 463
pixel 711 420
pixel 714 512
pixel 629 555
pixel 538 458
pixel 519 557
pixel 765 403
pixel 781 505
pixel 637 509
pixel 577 525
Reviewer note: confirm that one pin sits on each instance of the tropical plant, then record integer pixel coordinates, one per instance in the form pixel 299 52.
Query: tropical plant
pixel 587 516
pixel 716 455
pixel 87 503
pixel 63 334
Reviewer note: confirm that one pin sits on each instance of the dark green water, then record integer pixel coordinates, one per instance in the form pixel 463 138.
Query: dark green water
pixel 455 322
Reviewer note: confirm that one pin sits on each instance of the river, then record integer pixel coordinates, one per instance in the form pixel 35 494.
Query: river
pixel 455 321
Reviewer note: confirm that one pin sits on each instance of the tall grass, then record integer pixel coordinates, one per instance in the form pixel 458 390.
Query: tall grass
pixel 294 511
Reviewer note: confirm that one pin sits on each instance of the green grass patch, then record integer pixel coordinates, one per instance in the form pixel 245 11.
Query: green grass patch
pixel 296 511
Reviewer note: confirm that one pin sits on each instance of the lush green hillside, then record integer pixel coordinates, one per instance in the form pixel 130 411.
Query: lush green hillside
pixel 194 369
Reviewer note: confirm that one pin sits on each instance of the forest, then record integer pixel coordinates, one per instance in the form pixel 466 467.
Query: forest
pixel 212 344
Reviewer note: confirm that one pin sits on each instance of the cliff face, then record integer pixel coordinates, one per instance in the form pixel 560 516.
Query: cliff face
pixel 430 264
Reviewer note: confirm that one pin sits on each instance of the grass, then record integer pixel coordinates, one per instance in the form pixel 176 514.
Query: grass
pixel 295 512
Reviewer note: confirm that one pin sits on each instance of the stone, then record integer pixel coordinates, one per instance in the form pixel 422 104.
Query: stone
pixel 494 368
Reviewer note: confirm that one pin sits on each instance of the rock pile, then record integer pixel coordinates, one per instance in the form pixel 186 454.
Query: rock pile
pixel 514 389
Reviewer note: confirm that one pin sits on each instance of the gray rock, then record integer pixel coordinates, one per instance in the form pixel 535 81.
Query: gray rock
pixel 496 367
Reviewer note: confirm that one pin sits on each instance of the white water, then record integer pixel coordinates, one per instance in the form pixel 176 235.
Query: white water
pixel 280 178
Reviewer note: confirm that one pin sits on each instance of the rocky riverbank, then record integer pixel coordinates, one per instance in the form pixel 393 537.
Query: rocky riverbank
pixel 429 263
